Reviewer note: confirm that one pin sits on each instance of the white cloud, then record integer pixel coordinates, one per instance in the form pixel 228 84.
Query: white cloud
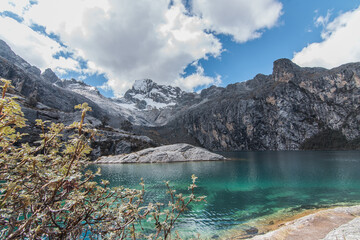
pixel 197 79
pixel 35 48
pixel 128 40
pixel 62 65
pixel 340 43
pixel 323 20
pixel 242 19
pixel 63 17
pixel 16 6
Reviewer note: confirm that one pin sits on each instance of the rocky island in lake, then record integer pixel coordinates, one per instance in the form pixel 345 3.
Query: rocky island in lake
pixel 168 153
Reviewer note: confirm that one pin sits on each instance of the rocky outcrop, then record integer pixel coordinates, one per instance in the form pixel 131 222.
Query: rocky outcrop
pixel 351 230
pixel 116 142
pixel 168 153
pixel 330 224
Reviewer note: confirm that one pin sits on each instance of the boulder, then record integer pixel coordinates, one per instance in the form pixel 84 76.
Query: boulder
pixel 169 153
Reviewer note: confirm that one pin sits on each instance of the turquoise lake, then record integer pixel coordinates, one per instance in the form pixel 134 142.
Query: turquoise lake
pixel 252 186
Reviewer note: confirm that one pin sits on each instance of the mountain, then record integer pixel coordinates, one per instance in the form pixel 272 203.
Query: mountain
pixel 146 94
pixel 45 96
pixel 292 108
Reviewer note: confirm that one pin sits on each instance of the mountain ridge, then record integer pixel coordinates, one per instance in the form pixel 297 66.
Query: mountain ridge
pixel 44 96
pixel 292 108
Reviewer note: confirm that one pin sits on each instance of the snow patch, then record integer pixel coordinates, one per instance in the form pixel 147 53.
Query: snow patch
pixel 141 85
pixel 151 104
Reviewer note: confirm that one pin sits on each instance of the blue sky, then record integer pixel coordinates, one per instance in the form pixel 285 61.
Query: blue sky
pixel 192 44
pixel 295 30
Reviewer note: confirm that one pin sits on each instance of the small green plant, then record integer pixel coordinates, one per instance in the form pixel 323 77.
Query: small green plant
pixel 45 192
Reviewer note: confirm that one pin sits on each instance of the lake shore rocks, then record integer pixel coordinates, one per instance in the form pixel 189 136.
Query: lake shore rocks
pixel 169 153
pixel 329 224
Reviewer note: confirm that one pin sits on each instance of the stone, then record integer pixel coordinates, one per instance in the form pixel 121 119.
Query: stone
pixel 252 231
pixel 326 224
pixel 162 154
pixel 348 231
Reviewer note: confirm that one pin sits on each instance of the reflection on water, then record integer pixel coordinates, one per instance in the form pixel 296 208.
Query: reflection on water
pixel 255 185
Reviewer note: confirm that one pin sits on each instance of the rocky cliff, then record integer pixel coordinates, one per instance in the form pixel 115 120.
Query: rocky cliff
pixel 293 108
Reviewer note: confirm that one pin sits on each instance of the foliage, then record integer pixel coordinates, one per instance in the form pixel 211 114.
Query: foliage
pixel 45 194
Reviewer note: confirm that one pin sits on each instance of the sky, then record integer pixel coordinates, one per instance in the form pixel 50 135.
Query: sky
pixel 187 43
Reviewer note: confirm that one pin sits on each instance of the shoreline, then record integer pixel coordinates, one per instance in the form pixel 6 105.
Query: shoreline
pixel 305 224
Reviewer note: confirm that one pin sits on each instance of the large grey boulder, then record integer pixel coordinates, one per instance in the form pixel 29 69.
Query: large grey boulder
pixel 351 231
pixel 169 153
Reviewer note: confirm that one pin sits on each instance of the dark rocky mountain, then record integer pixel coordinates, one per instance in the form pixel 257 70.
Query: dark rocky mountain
pixel 45 96
pixel 293 108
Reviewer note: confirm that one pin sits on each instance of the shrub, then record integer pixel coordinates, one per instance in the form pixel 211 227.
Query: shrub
pixel 45 192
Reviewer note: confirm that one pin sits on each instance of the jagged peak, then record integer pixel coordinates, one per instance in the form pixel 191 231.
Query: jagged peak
pixel 284 70
pixel 50 76
pixel 148 94
pixel 49 71
pixel 143 85
pixel 147 85
pixel 284 63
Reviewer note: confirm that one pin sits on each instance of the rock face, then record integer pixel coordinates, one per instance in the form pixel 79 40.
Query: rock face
pixel 291 109
pixel 9 55
pixel 39 88
pixel 168 153
pixel 118 142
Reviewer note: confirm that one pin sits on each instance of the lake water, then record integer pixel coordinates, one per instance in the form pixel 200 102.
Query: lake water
pixel 253 186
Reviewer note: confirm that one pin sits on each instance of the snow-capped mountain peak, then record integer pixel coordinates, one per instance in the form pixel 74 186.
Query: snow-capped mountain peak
pixel 147 94
pixel 143 85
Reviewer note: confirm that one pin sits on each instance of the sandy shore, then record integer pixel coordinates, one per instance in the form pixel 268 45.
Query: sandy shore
pixel 330 224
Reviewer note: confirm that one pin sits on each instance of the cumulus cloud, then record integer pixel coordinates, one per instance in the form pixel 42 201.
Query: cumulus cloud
pixel 340 43
pixel 197 79
pixel 129 40
pixel 242 19
pixel 35 48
